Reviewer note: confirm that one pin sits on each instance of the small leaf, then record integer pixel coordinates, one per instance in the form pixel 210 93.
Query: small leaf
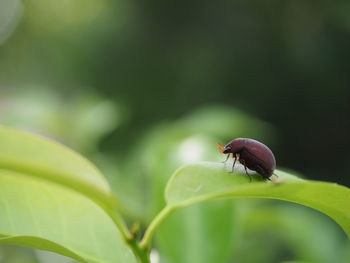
pixel 207 181
pixel 45 215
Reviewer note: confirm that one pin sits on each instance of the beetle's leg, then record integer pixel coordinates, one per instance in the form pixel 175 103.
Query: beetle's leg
pixel 234 162
pixel 245 168
pixel 275 175
pixel 228 156
pixel 262 173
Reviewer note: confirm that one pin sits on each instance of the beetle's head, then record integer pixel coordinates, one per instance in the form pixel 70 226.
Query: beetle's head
pixel 225 150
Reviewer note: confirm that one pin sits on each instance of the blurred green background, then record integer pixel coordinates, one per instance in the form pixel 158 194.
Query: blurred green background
pixel 142 87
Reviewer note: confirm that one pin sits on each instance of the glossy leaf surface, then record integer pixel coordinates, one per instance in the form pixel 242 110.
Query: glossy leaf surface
pixel 207 181
pixel 40 157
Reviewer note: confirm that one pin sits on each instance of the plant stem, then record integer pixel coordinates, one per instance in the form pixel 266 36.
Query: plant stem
pixel 120 223
pixel 141 249
pixel 142 254
pixel 147 238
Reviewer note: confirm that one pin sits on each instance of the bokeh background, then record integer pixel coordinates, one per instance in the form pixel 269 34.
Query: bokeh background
pixel 142 87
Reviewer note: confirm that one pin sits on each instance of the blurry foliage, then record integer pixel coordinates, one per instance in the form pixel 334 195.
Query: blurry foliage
pixel 63 17
pixel 79 121
pixel 285 232
pixel 10 14
pixel 284 62
pixel 204 233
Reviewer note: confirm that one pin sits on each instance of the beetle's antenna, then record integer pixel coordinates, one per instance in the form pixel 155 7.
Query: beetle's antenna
pixel 220 147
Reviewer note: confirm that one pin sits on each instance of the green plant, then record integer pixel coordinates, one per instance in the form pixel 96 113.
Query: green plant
pixel 53 199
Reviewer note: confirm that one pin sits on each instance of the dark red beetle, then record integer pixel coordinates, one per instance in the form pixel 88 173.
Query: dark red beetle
pixel 252 154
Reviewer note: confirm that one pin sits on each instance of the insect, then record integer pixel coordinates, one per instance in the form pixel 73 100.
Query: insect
pixel 252 154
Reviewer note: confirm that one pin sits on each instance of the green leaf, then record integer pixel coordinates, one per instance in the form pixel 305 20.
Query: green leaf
pixel 207 181
pixel 45 188
pixel 45 215
pixel 37 156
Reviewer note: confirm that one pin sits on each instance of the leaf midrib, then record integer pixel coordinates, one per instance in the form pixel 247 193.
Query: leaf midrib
pixel 56 176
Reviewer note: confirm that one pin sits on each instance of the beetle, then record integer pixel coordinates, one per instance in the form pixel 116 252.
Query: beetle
pixel 252 154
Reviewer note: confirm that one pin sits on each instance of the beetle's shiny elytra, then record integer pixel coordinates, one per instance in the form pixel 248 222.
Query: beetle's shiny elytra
pixel 252 154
